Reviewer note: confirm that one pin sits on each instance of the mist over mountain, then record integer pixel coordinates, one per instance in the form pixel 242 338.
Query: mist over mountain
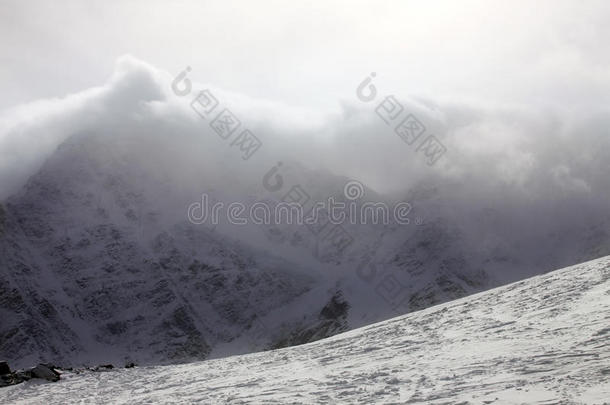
pixel 101 261
pixel 515 175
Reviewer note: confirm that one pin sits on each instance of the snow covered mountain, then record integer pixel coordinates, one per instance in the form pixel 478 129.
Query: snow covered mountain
pixel 95 269
pixel 98 262
pixel 540 340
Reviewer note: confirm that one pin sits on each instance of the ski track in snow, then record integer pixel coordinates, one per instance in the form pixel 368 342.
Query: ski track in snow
pixel 545 340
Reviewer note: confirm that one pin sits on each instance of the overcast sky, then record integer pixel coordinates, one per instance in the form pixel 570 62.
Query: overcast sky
pixel 540 53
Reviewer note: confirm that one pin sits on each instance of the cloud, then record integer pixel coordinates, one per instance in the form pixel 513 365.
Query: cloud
pixel 30 133
pixel 519 149
pixel 516 148
pixel 540 171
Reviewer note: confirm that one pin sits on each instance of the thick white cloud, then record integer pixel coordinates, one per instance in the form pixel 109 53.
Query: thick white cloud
pixel 556 151
pixel 525 183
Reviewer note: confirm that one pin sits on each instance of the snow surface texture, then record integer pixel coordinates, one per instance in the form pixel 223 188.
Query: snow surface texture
pixel 542 340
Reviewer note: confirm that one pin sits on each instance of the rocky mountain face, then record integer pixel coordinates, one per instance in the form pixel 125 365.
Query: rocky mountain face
pixel 88 272
pixel 99 264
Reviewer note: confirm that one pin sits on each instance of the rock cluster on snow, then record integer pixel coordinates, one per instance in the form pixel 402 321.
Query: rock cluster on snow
pixel 44 371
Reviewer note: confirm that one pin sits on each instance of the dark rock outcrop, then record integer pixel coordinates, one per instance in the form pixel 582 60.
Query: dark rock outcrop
pixel 331 320
pixel 44 371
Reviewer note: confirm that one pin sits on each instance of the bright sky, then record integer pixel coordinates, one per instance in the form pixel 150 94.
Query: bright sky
pixel 314 55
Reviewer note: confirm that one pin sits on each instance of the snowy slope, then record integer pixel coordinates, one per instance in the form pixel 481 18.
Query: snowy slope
pixel 543 340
